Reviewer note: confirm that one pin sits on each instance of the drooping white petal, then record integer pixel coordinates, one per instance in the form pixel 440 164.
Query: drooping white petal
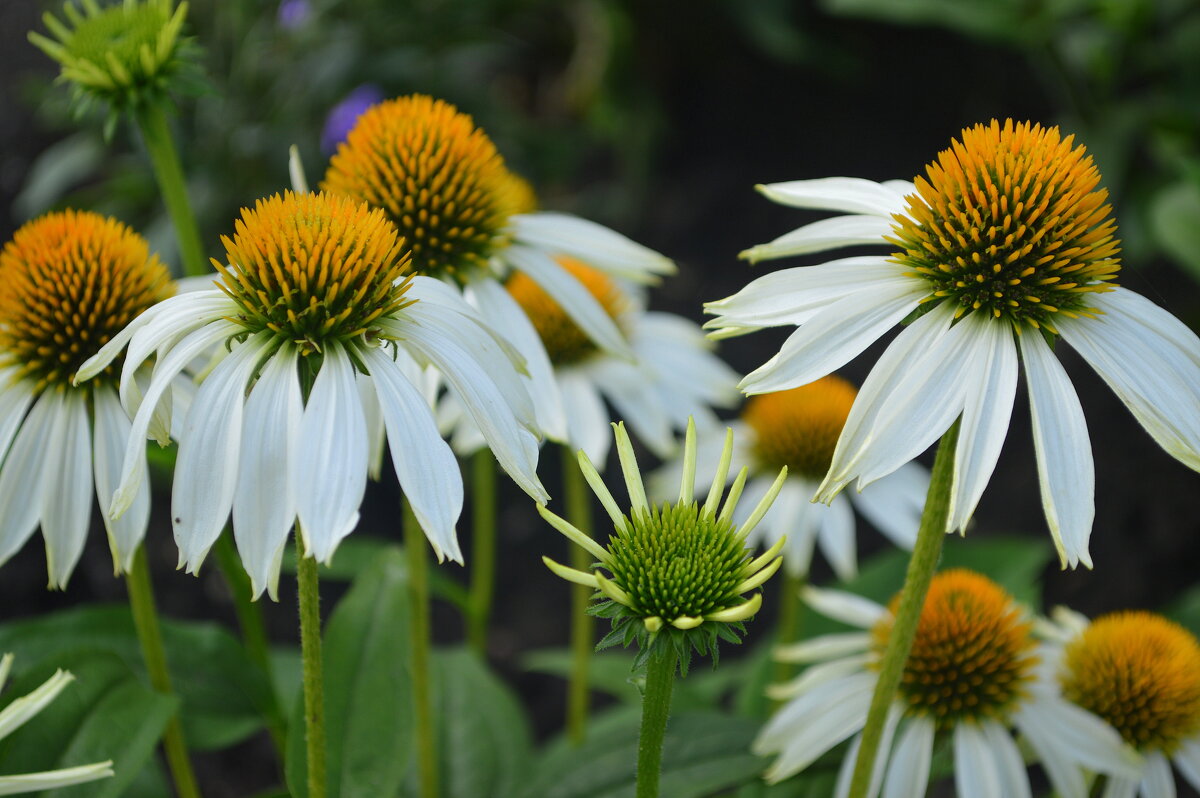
pixel 1066 472
pixel 987 409
pixel 515 447
pixel 264 502
pixel 111 435
pixel 575 300
pixel 1157 781
pixel 15 397
pixel 425 466
pixel 846 194
pixel 1149 359
pixel 792 514
pixel 331 472
pixel 587 418
pixel 908 773
pixel 67 507
pixel 1054 724
pixel 1121 788
pixel 53 779
pixel 1014 780
pixel 849 608
pixel 816 675
pixel 824 647
pixel 840 231
pixel 376 434
pixel 682 363
pixel 879 766
pixel 206 471
pixel 23 475
pixel 631 392
pixel 594 244
pixel 893 504
pixel 808 726
pixel 836 335
pixel 504 314
pixel 836 537
pixel 976 771
pixel 1187 760
pixel 20 710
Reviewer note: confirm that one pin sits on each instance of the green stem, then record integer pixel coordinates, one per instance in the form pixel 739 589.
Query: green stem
pixel 314 677
pixel 921 566
pixel 583 626
pixel 419 651
pixel 157 134
pixel 656 707
pixel 483 555
pixel 254 633
pixel 788 628
pixel 145 621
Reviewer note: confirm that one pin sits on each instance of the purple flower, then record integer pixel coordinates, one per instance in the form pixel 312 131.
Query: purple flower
pixel 342 116
pixel 293 14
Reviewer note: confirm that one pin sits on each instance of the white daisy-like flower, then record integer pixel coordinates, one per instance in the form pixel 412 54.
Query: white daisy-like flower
pixel 71 281
pixel 799 428
pixel 674 375
pixel 1007 246
pixel 322 330
pixel 17 713
pixel 471 222
pixel 972 677
pixel 1140 672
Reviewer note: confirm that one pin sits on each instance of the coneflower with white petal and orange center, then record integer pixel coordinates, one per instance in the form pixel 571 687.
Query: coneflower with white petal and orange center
pixel 323 333
pixel 1006 245
pixel 972 675
pixel 72 280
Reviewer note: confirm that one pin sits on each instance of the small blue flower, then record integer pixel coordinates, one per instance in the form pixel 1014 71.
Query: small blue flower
pixel 293 14
pixel 343 115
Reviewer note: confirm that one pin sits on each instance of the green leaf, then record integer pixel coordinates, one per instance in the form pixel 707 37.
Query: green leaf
pixel 703 752
pixel 357 554
pixel 1185 610
pixel 106 713
pixel 224 695
pixel 1175 220
pixel 484 742
pixel 368 715
pixel 608 671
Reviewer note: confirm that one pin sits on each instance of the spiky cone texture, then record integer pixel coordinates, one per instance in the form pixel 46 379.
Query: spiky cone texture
pixel 1005 246
pixel 21 710
pixel 678 572
pixel 123 55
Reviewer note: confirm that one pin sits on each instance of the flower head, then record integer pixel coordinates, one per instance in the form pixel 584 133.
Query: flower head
pixel 679 570
pixel 1004 246
pixel 972 677
pixel 71 281
pixel 321 336
pixel 23 709
pixel 125 54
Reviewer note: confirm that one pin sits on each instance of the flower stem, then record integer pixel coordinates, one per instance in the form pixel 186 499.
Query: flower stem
pixel 145 622
pixel 583 634
pixel 788 627
pixel 419 638
pixel 254 633
pixel 921 566
pixel 483 555
pixel 656 707
pixel 165 160
pixel 314 677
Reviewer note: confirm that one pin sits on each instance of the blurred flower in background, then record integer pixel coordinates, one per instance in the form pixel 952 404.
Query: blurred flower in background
pixel 293 14
pixel 342 116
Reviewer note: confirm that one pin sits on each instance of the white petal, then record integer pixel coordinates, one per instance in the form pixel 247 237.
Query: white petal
pixel 817 675
pixel 23 475
pixel 836 537
pixel 824 647
pixel 587 418
pixel 1014 780
pixel 52 779
pixel 846 194
pixel 331 474
pixel 206 471
pixel 425 466
pixel 575 300
pixel 1085 738
pixel 849 608
pixel 1064 453
pixel 1187 759
pixel 376 434
pixel 976 771
pixel 1149 360
pixel 516 449
pixel 264 502
pixel 1121 788
pixel 125 534
pixel 631 391
pixel 682 361
pixel 20 710
pixel 15 398
pixel 850 760
pixel 810 725
pixel 893 504
pixel 986 412
pixel 908 774
pixel 836 335
pixel 594 244
pixel 792 514
pixel 840 231
pixel 504 315
pixel 1157 781
pixel 67 509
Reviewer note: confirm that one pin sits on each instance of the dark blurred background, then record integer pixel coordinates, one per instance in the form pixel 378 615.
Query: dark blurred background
pixel 658 119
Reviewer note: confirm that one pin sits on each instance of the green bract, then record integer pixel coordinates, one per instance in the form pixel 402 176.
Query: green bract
pixel 679 571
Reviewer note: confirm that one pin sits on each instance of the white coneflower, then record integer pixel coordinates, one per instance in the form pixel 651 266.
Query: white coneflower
pixel 470 221
pixel 23 709
pixel 71 281
pixel 971 677
pixel 799 428
pixel 315 292
pixel 674 375
pixel 1141 673
pixel 1007 246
